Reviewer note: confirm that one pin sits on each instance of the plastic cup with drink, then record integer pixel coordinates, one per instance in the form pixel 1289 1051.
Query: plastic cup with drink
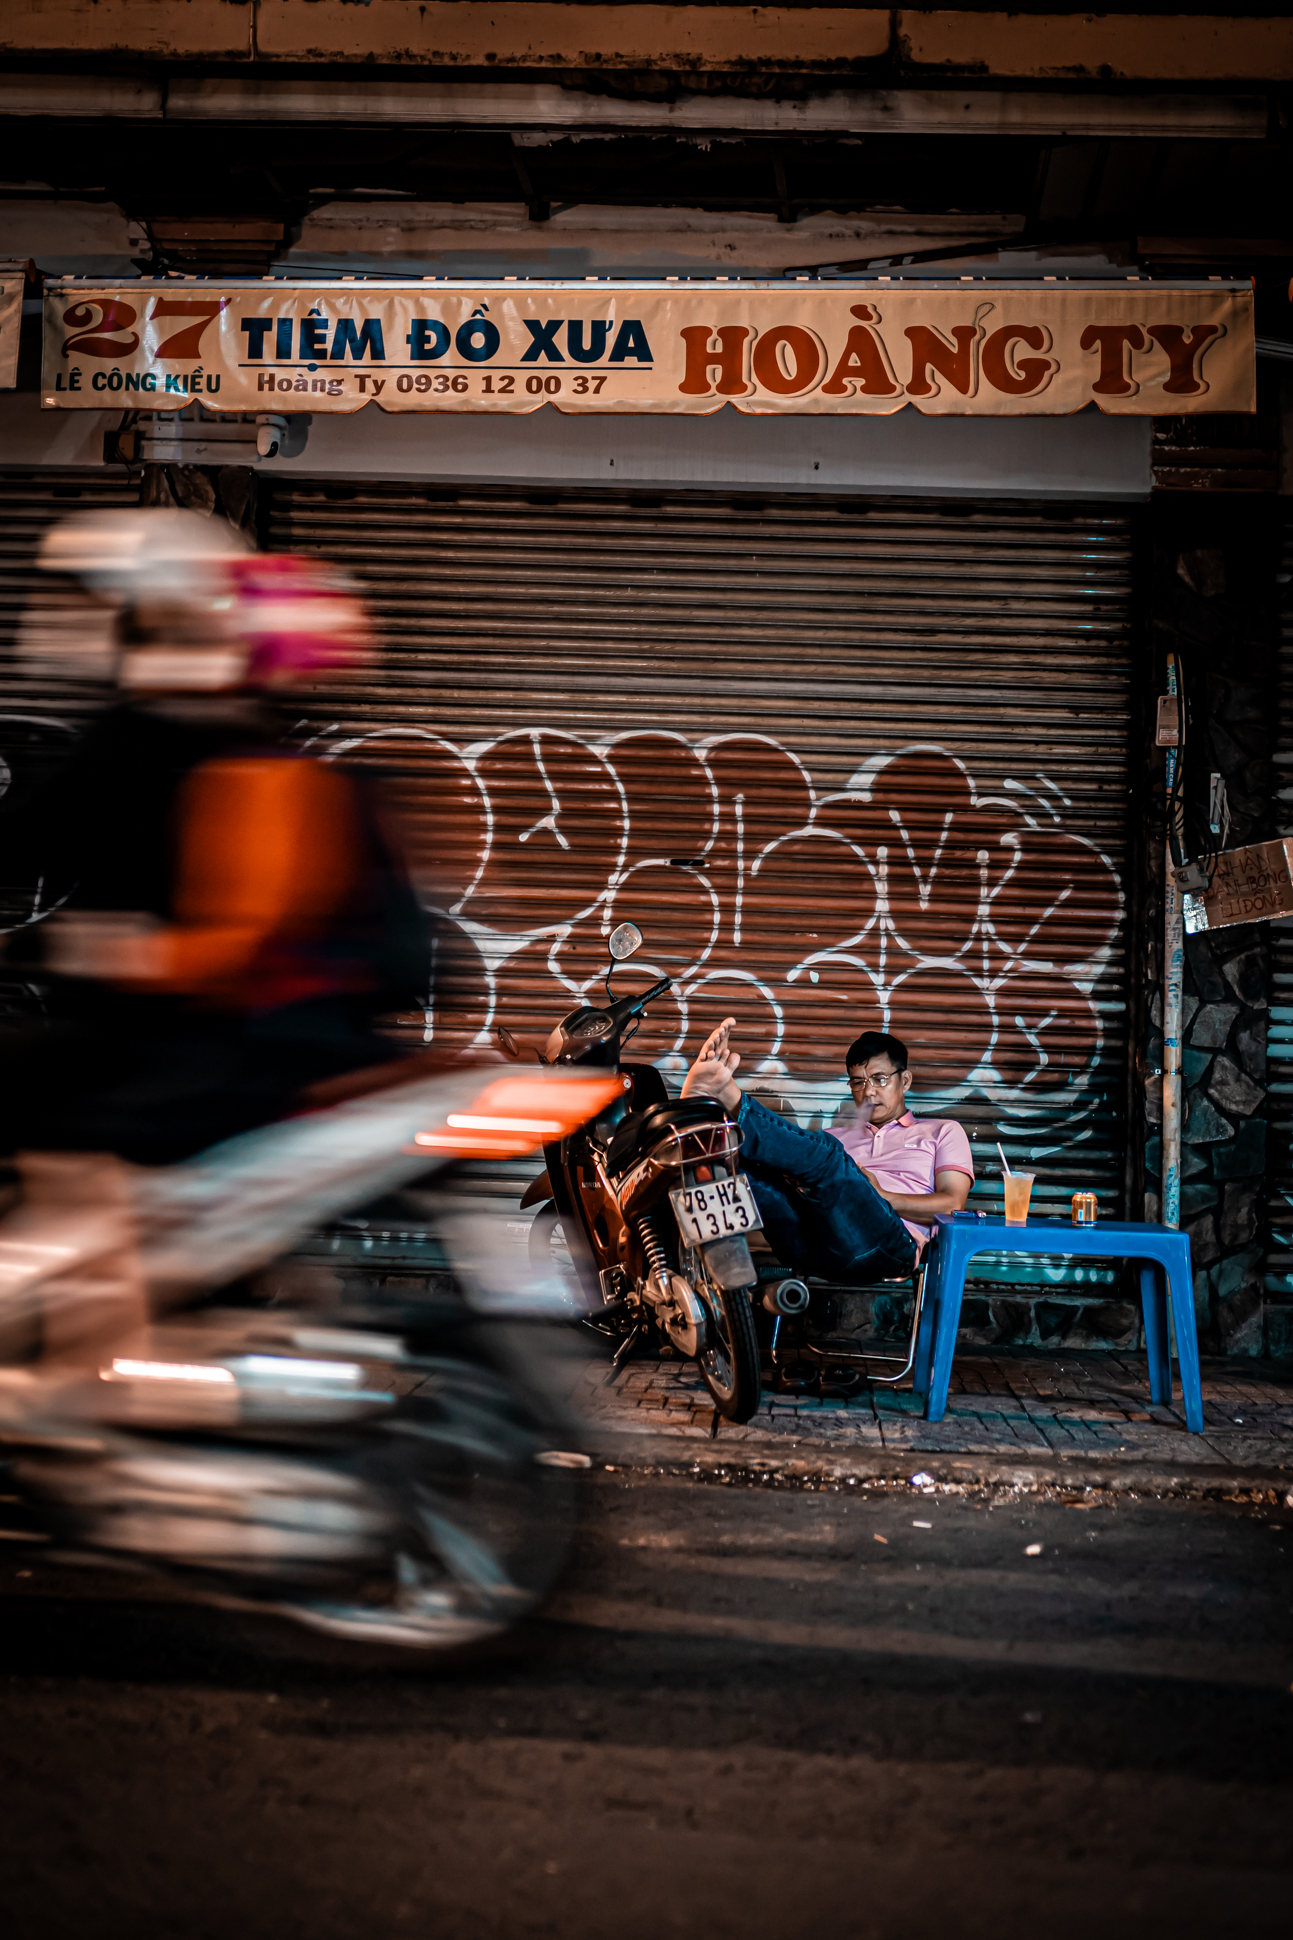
pixel 1018 1190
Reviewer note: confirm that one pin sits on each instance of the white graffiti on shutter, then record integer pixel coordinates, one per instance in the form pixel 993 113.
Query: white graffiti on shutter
pixel 978 928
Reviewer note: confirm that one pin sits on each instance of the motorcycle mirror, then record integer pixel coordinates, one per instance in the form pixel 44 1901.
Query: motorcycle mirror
pixel 507 1042
pixel 625 942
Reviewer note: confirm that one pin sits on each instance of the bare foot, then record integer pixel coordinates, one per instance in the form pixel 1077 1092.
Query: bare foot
pixel 712 1074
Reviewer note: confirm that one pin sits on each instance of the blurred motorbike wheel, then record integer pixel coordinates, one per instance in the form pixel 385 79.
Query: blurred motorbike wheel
pixel 482 1507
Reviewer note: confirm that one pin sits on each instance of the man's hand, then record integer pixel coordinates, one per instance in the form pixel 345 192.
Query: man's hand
pixel 712 1075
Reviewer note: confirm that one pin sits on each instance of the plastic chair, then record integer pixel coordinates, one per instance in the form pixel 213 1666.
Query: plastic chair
pixel 1165 1274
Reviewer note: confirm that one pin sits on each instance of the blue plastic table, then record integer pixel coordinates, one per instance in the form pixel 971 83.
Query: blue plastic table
pixel 1164 1257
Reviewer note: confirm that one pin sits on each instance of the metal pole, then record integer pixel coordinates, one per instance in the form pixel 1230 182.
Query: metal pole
pixel 1173 993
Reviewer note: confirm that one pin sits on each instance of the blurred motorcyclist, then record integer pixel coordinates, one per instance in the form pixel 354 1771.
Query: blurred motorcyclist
pixel 230 926
pixel 235 918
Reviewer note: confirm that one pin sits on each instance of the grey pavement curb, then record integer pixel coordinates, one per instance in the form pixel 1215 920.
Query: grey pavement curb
pixel 791 1462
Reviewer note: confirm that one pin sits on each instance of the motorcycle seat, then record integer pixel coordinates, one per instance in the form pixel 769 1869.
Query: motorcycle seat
pixel 643 1129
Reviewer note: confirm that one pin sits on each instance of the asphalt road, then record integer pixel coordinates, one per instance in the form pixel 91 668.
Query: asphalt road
pixel 746 1716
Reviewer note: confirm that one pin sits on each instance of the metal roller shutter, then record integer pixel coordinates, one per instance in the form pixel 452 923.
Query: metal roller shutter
pixel 847 766
pixel 30 502
pixel 38 716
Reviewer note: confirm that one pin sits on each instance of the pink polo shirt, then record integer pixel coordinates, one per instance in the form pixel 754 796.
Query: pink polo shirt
pixel 907 1154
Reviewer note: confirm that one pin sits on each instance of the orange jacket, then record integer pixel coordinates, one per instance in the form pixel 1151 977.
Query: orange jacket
pixel 269 857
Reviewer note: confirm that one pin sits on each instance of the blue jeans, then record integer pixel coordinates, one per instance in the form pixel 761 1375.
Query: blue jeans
pixel 819 1214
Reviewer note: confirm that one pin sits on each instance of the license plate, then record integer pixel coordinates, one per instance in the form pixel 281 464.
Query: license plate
pixel 715 1211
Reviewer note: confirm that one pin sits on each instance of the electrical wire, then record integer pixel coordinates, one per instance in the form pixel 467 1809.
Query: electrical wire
pixel 1189 831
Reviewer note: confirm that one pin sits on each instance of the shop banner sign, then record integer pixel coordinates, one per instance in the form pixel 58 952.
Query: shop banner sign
pixel 1023 350
pixel 1249 885
pixel 12 278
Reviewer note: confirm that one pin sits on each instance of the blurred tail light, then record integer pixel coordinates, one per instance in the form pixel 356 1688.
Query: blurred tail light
pixel 515 1115
pixel 127 1370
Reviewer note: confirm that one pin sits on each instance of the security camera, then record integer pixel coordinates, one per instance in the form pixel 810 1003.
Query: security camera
pixel 269 436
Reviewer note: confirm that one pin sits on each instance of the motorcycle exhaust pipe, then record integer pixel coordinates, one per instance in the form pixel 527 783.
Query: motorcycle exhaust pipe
pixel 787 1297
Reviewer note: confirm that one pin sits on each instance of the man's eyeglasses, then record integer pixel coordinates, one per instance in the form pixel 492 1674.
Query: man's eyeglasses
pixel 882 1081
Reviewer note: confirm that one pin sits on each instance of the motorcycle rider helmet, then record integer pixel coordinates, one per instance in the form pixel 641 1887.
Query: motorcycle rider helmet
pixel 166 601
pixel 129 583
pixel 297 618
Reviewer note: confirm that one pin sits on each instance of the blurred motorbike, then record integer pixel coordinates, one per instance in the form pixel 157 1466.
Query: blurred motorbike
pixel 646 1207
pixel 218 926
pixel 389 1473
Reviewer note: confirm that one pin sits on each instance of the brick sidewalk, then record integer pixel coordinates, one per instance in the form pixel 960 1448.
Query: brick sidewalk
pixel 1001 1403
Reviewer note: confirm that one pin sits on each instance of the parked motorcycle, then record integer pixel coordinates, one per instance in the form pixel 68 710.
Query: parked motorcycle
pixel 646 1207
pixel 387 1470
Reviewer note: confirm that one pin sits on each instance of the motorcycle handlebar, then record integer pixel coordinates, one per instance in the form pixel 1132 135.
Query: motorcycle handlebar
pixel 628 1007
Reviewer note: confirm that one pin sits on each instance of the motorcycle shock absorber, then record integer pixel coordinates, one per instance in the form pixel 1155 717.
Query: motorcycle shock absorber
pixel 652 1246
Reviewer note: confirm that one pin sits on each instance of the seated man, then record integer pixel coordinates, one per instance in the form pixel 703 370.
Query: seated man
pixel 856 1204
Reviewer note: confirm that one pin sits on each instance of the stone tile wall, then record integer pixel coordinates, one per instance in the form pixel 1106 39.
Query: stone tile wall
pixel 1212 598
pixel 1223 1153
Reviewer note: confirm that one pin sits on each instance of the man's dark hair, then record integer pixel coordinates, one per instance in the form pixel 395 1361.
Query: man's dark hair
pixel 874 1044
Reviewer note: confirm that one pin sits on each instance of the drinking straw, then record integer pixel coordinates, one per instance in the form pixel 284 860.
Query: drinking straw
pixel 1005 1162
